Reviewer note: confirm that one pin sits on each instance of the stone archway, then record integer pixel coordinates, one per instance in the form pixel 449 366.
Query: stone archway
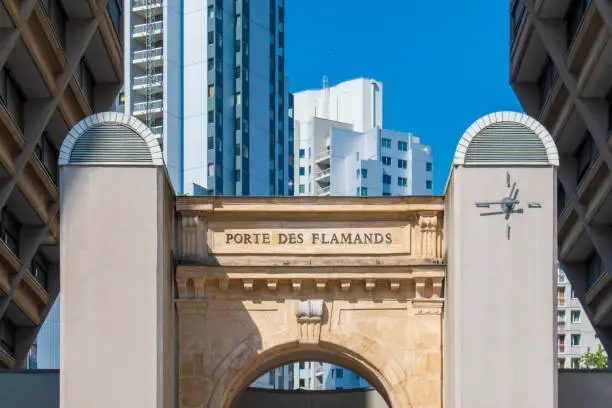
pixel 260 286
pixel 241 370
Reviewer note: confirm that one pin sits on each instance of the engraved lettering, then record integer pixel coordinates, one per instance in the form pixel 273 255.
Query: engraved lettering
pixel 266 238
pixel 388 239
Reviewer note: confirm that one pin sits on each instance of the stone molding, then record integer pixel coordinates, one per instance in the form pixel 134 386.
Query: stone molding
pixel 506 116
pixel 110 117
pixel 426 287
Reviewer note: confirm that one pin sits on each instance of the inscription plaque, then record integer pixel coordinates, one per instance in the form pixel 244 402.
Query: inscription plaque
pixel 296 238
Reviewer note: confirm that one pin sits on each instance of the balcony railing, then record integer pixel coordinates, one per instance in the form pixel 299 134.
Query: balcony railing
pixel 143 3
pixel 143 28
pixel 323 154
pixel 157 130
pixel 325 190
pixel 323 173
pixel 142 106
pixel 152 79
pixel 152 53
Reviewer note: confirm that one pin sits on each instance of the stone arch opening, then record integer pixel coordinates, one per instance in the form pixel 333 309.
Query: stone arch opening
pixel 233 383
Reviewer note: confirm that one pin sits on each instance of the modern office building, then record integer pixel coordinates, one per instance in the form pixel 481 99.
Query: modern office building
pixel 208 78
pixel 560 70
pixel 342 149
pixel 61 61
pixel 575 333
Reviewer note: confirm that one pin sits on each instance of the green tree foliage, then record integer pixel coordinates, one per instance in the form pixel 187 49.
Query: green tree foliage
pixel 592 360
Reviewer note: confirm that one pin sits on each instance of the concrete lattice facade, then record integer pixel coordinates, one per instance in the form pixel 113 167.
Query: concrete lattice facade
pixel 60 62
pixel 560 70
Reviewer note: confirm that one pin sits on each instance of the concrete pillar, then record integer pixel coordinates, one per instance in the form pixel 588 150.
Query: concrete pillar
pixel 116 303
pixel 500 290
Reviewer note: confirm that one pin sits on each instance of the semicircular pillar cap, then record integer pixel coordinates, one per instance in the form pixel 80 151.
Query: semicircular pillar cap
pixel 110 138
pixel 506 138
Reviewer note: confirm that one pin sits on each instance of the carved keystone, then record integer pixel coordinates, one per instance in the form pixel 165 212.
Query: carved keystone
pixel 309 314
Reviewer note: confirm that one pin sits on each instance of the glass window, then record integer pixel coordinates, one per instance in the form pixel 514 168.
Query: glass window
pixel 237 149
pixel 561 363
pixel 402 164
pixel 386 179
pixel 364 173
pixel 364 191
pixel 575 363
pixel 560 296
pixel 211 91
pixel 428 166
pixel 211 37
pixel 546 81
pixel 386 142
pixel 576 339
pixel 402 181
pixel 386 161
pixel 339 373
pixel 402 146
pixel 302 171
pixel 585 155
pixel 211 169
pixel 9 231
pixel 428 184
pixel 560 316
pixel 561 343
pixel 211 142
pixel 211 64
pixel 211 11
pixel 238 99
pixel 302 153
pixel 594 269
pixel 575 316
pixel 236 175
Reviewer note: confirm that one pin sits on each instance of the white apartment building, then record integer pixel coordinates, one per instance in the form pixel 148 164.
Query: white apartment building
pixel 192 68
pixel 342 149
pixel 310 375
pixel 575 334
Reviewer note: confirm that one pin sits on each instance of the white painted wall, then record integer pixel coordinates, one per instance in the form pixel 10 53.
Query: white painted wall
pixel 358 102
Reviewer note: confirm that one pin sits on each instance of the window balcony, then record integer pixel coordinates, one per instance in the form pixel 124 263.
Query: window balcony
pixel 157 130
pixel 156 54
pixel 142 82
pixel 140 31
pixel 141 7
pixel 154 107
pixel 323 175
pixel 325 191
pixel 323 157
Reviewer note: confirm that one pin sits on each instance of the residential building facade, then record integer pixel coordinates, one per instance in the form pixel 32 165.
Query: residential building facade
pixel 63 64
pixel 344 151
pixel 575 334
pixel 193 69
pixel 310 375
pixel 559 68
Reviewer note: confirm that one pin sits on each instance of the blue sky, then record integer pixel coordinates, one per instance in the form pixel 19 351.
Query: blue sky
pixel 442 66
